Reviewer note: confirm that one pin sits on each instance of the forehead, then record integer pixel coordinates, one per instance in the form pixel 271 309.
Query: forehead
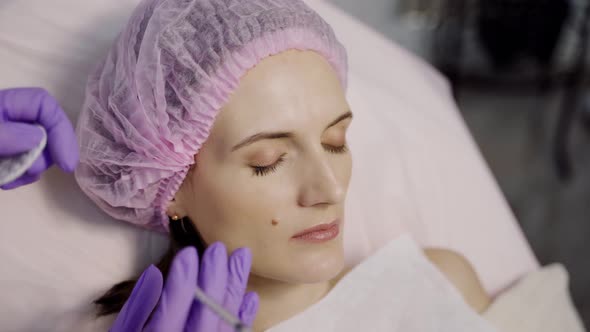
pixel 292 91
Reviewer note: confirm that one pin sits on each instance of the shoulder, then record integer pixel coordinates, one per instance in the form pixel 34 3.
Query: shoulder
pixel 461 274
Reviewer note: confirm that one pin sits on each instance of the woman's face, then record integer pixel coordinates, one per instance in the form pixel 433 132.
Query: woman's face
pixel 275 164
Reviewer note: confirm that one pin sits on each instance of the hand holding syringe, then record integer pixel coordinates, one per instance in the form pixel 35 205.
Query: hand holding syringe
pixel 174 305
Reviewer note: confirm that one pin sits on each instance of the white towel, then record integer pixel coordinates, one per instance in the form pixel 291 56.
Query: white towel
pixel 396 289
pixel 539 302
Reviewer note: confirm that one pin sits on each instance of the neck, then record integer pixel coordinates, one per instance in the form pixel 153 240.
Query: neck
pixel 280 300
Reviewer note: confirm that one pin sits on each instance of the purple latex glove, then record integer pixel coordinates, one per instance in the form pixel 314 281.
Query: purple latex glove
pixel 174 306
pixel 20 109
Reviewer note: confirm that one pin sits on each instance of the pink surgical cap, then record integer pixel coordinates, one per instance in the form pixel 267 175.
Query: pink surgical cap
pixel 151 103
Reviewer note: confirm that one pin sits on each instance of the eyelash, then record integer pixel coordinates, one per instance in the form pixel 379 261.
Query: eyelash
pixel 265 170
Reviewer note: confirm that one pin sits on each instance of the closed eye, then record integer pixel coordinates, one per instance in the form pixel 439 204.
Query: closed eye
pixel 264 170
pixel 335 149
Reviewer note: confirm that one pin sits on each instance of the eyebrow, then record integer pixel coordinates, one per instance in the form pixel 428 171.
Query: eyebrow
pixel 277 135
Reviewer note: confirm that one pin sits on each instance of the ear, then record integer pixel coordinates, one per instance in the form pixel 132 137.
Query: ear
pixel 176 208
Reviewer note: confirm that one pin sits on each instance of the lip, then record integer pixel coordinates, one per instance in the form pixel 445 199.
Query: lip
pixel 319 233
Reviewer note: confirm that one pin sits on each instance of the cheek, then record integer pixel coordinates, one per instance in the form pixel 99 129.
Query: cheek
pixel 237 211
pixel 344 170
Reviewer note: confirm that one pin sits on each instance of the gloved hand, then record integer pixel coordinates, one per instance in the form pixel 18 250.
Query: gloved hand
pixel 177 310
pixel 20 109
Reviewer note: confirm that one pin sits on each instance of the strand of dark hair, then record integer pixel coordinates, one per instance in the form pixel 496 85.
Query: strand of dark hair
pixel 182 234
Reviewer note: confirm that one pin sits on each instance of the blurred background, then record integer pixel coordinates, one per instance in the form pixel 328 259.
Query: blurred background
pixel 519 74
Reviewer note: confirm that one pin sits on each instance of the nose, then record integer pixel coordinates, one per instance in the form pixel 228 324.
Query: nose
pixel 320 184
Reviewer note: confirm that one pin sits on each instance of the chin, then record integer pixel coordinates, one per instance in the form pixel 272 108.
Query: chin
pixel 319 266
pixel 323 273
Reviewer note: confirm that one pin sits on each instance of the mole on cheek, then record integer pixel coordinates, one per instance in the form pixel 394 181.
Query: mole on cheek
pixel 274 222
